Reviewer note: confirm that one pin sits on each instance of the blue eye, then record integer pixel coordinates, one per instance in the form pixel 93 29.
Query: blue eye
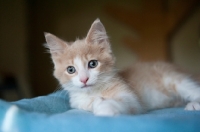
pixel 92 63
pixel 71 69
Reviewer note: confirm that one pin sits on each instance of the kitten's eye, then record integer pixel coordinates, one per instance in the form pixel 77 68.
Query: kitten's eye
pixel 92 63
pixel 71 69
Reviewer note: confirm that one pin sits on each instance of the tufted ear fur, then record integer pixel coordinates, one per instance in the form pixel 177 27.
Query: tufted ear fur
pixel 55 45
pixel 97 33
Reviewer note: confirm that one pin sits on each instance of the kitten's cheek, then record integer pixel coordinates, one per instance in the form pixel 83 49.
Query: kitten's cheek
pixel 76 82
pixel 93 78
pixel 92 82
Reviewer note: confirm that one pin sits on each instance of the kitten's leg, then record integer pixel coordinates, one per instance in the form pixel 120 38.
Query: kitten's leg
pixel 111 107
pixel 106 107
pixel 189 90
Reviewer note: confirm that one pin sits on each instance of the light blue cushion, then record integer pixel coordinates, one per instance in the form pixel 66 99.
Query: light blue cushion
pixel 52 113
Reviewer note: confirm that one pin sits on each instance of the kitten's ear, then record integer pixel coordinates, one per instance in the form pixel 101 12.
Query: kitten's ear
pixel 97 33
pixel 55 45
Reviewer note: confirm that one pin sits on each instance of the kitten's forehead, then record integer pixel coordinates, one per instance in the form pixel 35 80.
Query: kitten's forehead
pixel 78 47
pixel 75 50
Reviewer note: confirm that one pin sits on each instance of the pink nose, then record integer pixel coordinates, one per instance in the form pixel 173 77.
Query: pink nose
pixel 84 80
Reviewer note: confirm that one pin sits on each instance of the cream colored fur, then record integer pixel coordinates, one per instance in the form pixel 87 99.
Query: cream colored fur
pixel 103 91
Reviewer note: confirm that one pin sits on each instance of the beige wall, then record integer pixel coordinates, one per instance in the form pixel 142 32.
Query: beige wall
pixel 186 44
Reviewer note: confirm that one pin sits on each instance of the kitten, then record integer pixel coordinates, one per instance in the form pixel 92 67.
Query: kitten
pixel 86 69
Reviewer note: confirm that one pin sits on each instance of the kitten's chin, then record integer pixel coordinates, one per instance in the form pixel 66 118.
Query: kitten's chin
pixel 86 86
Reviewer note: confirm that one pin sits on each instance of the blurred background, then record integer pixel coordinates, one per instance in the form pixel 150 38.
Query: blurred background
pixel 167 30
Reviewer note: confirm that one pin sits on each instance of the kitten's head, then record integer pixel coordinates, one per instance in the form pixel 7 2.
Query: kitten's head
pixel 83 63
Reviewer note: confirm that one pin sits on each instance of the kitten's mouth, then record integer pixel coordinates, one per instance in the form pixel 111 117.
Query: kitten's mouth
pixel 86 86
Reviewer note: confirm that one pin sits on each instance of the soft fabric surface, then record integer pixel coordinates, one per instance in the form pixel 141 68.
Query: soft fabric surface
pixel 52 113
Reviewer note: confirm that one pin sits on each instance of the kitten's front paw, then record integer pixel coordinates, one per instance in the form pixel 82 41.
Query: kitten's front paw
pixel 106 112
pixel 105 109
pixel 193 106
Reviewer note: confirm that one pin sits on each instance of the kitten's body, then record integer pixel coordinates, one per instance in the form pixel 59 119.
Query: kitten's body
pixel 161 85
pixel 86 69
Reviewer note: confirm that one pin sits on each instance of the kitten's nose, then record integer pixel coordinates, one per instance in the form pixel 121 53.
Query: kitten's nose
pixel 84 80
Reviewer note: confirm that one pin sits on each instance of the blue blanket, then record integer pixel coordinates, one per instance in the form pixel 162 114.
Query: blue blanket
pixel 52 113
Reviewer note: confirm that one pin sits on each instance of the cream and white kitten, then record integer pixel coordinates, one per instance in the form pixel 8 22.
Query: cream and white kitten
pixel 86 69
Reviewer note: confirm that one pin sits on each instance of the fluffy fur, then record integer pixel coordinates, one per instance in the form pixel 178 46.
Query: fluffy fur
pixel 103 91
